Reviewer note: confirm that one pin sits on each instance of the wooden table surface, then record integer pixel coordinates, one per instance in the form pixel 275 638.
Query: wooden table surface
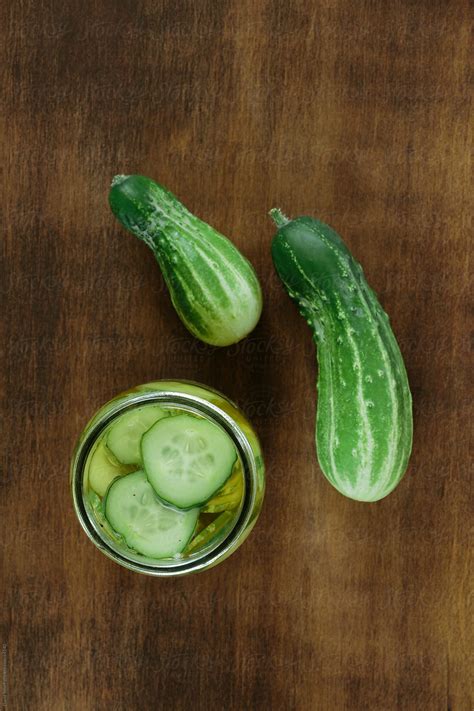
pixel 356 112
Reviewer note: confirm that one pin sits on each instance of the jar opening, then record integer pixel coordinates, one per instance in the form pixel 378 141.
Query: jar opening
pixel 125 556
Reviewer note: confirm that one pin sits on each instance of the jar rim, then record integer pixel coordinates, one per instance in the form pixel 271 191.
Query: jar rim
pixel 192 403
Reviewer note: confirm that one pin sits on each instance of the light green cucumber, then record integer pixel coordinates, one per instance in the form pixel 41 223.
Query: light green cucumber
pixel 213 287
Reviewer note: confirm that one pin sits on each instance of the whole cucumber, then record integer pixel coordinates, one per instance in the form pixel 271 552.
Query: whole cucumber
pixel 364 411
pixel 213 287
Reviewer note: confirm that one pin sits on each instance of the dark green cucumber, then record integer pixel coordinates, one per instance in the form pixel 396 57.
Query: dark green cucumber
pixel 213 287
pixel 364 414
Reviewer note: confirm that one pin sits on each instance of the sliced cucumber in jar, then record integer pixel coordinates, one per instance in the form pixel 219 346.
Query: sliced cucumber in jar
pixel 125 435
pixel 230 495
pixel 187 459
pixel 148 527
pixel 104 468
pixel 210 532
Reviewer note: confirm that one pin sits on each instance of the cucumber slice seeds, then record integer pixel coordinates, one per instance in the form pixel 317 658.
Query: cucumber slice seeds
pixel 125 435
pixel 187 459
pixel 148 527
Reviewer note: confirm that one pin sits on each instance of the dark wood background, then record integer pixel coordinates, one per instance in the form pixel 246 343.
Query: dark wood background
pixel 356 112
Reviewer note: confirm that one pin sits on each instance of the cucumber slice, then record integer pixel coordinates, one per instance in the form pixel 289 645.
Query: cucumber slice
pixel 104 468
pixel 125 435
pixel 149 527
pixel 187 459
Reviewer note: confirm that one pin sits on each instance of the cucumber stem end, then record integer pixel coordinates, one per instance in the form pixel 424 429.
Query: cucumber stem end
pixel 117 179
pixel 278 217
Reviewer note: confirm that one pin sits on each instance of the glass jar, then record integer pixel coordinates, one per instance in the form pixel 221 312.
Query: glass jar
pixel 194 399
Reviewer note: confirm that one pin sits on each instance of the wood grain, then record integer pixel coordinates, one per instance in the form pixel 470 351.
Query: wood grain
pixel 356 112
